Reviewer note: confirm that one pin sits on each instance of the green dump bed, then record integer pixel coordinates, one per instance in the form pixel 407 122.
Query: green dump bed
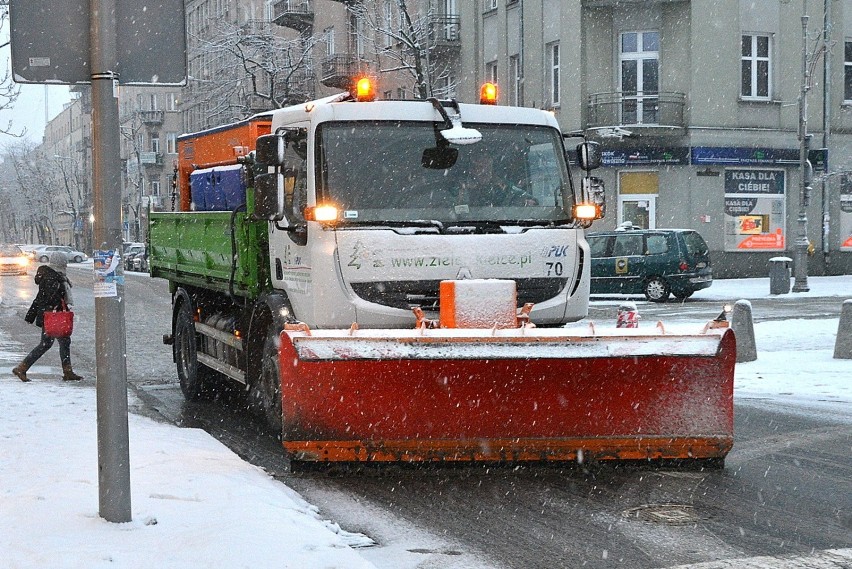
pixel 196 248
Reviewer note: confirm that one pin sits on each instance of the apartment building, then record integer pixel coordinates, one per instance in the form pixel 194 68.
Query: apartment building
pixel 305 49
pixel 66 153
pixel 150 124
pixel 696 104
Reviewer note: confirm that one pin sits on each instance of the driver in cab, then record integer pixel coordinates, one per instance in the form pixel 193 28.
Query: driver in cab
pixel 483 187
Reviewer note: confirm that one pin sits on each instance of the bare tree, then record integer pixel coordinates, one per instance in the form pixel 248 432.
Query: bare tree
pixel 403 38
pixel 35 186
pixel 130 131
pixel 249 68
pixel 8 90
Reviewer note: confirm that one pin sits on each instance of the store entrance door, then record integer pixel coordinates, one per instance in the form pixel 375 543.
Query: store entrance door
pixel 637 199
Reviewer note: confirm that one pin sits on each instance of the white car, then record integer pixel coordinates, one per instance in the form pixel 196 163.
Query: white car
pixel 13 261
pixel 42 254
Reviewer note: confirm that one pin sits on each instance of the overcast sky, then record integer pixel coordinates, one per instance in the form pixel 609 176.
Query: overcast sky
pixel 29 111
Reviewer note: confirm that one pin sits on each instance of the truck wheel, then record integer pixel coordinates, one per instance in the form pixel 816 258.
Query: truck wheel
pixel 194 378
pixel 266 391
pixel 657 289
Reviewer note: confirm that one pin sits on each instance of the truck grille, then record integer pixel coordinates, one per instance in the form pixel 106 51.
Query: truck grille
pixel 407 294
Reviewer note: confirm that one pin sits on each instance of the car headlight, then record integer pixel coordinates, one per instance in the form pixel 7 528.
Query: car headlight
pixel 23 261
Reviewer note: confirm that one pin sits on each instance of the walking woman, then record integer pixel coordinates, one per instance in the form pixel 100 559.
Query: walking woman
pixel 53 288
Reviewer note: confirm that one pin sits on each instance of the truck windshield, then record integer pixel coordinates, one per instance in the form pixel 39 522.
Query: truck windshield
pixel 403 171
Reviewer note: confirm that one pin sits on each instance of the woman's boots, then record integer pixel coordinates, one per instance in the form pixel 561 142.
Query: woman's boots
pixel 68 373
pixel 21 371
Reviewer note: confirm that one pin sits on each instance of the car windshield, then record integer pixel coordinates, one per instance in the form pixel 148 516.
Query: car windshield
pixel 10 251
pixel 403 173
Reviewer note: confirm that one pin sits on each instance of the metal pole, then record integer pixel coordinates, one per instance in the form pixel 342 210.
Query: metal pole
pixel 110 341
pixel 826 124
pixel 800 284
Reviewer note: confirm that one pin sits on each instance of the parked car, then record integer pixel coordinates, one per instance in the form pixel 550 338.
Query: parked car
pixel 13 261
pixel 653 262
pixel 140 261
pixel 130 254
pixel 29 248
pixel 42 254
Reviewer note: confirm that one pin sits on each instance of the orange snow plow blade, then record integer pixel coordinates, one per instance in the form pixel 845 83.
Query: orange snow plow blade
pixel 523 394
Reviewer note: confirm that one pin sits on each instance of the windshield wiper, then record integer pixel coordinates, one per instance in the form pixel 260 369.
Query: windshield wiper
pixel 428 223
pixel 492 226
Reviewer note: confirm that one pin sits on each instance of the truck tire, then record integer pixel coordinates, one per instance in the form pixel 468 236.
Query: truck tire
pixel 194 378
pixel 266 391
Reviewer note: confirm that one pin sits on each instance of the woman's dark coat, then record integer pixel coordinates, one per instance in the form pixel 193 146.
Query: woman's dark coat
pixel 51 293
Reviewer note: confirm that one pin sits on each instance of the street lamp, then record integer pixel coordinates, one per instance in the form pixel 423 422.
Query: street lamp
pixel 800 284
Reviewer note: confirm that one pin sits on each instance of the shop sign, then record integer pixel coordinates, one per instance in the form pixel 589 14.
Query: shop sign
pixel 754 210
pixel 738 156
pixel 754 181
pixel 667 156
pixel 846 213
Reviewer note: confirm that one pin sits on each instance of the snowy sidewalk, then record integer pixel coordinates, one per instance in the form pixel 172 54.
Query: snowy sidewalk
pixel 194 502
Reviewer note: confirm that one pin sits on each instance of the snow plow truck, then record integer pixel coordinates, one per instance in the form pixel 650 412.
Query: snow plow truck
pixel 334 259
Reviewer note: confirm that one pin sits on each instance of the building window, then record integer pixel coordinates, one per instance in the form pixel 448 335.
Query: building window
pixel 490 5
pixel 640 77
pixel 155 187
pixel 847 72
pixel 491 72
pixel 387 95
pixel 755 213
pixel 171 142
pixel 516 73
pixel 155 143
pixel 400 93
pixel 388 23
pixel 172 102
pixel 553 53
pixel 756 67
pixel 153 100
pixel 329 41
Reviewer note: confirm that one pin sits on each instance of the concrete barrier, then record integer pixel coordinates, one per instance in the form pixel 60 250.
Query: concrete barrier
pixel 743 327
pixel 843 343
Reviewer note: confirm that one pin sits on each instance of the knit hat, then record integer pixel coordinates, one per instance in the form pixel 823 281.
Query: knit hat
pixel 58 262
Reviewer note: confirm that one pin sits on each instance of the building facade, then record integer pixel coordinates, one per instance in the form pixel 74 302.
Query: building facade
pixel 697 107
pixel 150 124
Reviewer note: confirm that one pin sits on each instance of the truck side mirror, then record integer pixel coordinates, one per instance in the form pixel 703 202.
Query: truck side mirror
pixel 269 149
pixel 593 190
pixel 589 155
pixel 269 195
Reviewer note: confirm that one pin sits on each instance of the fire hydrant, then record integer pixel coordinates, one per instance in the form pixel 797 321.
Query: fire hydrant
pixel 628 315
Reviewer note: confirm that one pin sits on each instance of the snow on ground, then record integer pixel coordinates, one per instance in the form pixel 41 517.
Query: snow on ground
pixel 196 504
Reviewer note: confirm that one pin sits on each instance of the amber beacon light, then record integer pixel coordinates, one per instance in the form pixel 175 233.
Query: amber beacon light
pixel 365 90
pixel 488 94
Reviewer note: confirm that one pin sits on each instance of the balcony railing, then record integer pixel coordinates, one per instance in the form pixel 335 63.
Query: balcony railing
pixel 151 117
pixel 151 158
pixel 636 109
pixel 295 14
pixel 444 30
pixel 338 70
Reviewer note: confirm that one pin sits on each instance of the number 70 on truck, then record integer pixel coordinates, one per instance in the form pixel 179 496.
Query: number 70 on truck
pixel 390 281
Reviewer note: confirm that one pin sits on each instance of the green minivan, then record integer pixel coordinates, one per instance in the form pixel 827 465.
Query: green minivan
pixel 653 262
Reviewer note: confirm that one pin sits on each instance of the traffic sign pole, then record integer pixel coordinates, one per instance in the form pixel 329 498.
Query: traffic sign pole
pixel 110 334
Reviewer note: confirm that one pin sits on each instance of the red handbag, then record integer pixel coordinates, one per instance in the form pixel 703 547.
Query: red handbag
pixel 58 323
